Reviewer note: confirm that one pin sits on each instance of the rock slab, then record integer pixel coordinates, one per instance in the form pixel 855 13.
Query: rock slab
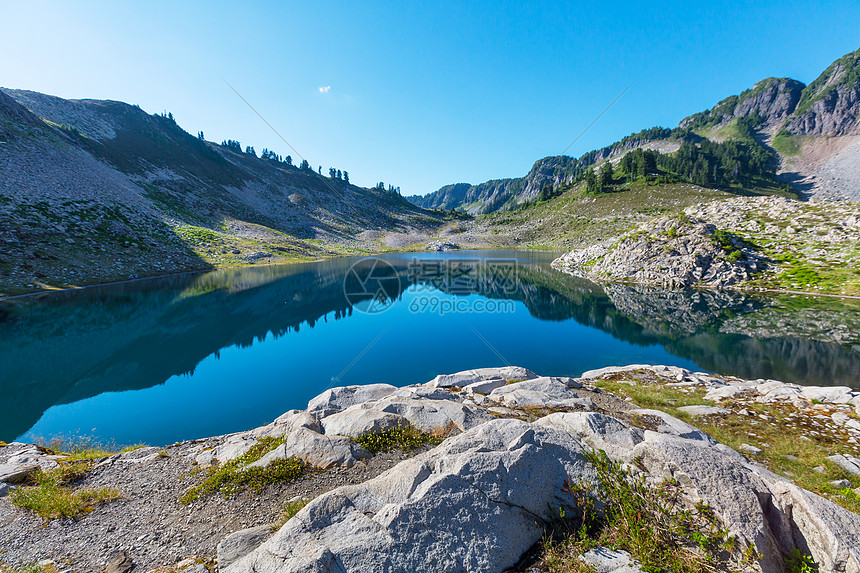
pixel 474 503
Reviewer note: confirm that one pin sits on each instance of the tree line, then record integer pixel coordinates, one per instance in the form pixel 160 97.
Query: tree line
pixel 737 162
pixel 269 155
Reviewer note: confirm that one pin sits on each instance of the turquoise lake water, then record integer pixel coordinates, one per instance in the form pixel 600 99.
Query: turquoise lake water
pixel 189 356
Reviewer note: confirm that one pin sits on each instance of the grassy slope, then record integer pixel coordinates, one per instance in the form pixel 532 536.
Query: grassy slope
pixel 574 220
pixel 779 430
pixel 812 257
pixel 196 206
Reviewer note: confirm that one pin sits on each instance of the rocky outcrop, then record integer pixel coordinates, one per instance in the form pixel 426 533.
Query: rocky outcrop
pixel 481 499
pixel 773 99
pixel 830 106
pixel 670 252
pixel 726 243
pixel 19 461
pixel 240 543
pixel 469 377
pixel 463 506
pixel 440 246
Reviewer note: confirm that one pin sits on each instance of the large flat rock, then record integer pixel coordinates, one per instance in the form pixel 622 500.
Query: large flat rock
pixel 475 503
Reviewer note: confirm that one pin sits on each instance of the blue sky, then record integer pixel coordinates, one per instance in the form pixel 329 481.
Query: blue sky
pixel 421 93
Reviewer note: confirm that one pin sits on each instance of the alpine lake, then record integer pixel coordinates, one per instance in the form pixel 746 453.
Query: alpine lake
pixel 187 356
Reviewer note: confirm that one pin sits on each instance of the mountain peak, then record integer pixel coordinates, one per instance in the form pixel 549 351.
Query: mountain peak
pixel 773 99
pixel 831 104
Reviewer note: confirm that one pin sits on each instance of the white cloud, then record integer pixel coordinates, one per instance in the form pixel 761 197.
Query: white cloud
pixel 324 89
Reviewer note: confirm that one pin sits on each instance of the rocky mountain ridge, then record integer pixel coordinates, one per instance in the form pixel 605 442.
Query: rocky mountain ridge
pixel 828 107
pixel 93 191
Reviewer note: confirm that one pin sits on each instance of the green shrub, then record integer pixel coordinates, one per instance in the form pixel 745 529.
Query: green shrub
pixel 405 437
pixel 799 562
pixel 649 522
pixel 51 498
pixel 234 476
pixel 735 256
pixel 290 509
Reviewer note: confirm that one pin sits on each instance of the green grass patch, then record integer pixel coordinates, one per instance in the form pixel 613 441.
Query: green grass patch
pixel 52 498
pixel 405 437
pixel 290 509
pixel 788 446
pixel 649 522
pixel 235 476
pixel 785 144
pixel 197 235
pixel 82 448
pixel 32 568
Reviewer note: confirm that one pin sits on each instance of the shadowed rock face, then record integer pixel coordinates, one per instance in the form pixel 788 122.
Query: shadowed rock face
pixel 773 99
pixel 830 106
pixel 834 114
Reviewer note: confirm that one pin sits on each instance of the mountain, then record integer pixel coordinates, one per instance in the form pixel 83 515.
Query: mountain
pixel 812 133
pixel 93 191
pixel 771 99
pixel 555 172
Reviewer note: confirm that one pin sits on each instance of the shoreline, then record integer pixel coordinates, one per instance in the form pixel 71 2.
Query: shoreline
pixel 733 288
pixel 750 426
pixel 50 290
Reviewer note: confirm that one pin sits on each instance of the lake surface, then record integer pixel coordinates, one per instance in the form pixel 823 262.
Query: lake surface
pixel 189 356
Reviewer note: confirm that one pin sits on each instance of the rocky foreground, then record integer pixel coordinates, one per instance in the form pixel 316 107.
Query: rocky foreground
pixel 478 501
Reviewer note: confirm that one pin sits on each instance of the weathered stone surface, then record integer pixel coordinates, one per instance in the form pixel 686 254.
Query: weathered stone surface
pixel 828 394
pixel 436 416
pixel 707 474
pixel 358 420
pixel 847 462
pixel 472 504
pixel 467 377
pixel 544 392
pixel 605 560
pixel 600 372
pixel 285 422
pixel 316 449
pixel 337 399
pixel 696 411
pixel 240 543
pixel 121 562
pixel 424 393
pixel 667 424
pixel 485 386
pixel 598 431
pixel 756 505
pixel 831 533
pixel 750 450
pixel 232 448
pixel 17 472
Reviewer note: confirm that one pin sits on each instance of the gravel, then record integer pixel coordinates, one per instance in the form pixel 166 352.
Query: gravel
pixel 149 522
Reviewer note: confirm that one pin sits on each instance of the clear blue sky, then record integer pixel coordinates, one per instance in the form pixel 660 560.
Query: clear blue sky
pixel 421 93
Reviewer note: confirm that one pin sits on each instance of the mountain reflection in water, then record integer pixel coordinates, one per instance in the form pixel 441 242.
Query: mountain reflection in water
pixel 291 332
